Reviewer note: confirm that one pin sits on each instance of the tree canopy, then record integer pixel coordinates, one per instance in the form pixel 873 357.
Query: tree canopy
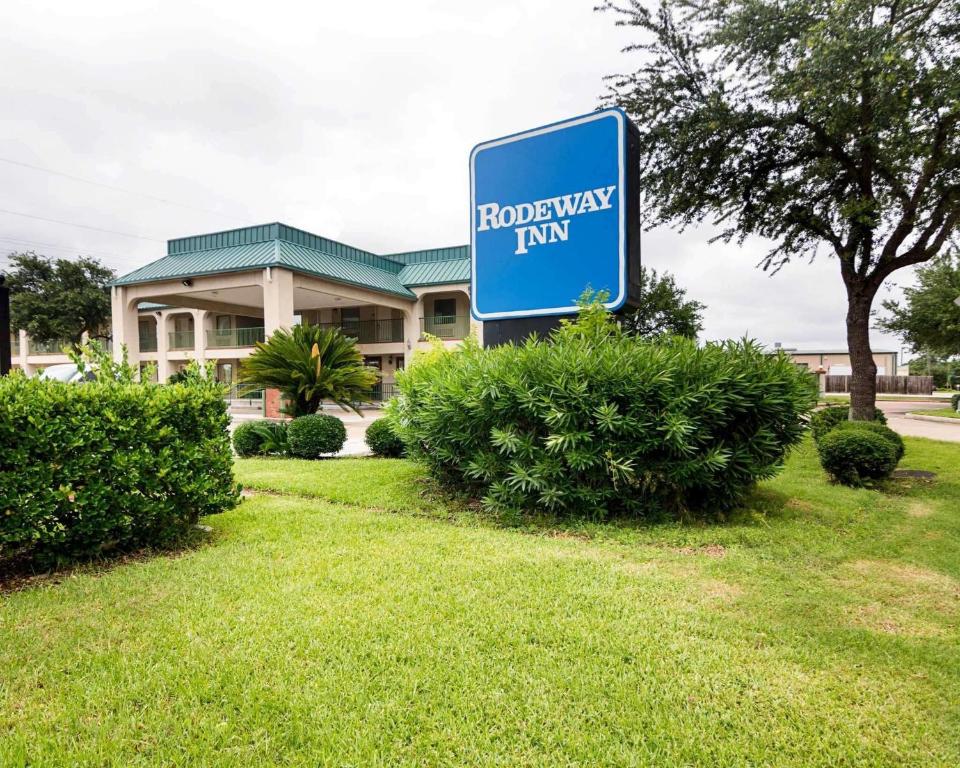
pixel 824 126
pixel 664 308
pixel 59 299
pixel 928 320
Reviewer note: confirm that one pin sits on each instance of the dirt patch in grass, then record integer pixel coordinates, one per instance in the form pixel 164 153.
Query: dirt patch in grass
pixel 721 591
pixel 708 550
pixel 920 509
pixel 902 599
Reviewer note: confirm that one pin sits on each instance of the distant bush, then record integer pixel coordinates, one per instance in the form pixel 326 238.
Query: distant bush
pixel 108 464
pixel 594 422
pixel 879 429
pixel 955 401
pixel 383 440
pixel 852 456
pixel 246 441
pixel 310 437
pixel 261 438
pixel 824 420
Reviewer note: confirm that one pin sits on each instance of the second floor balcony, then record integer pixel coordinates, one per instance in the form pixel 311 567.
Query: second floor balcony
pixel 148 343
pixel 54 347
pixel 234 337
pixel 181 340
pixel 445 326
pixel 370 331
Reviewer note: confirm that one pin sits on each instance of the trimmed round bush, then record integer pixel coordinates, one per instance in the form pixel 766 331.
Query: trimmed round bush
pixel 879 429
pixel 246 440
pixel 852 456
pixel 595 423
pixel 310 437
pixel 383 439
pixel 824 420
pixel 955 401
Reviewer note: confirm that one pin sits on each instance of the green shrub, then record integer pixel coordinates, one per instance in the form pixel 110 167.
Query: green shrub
pixel 273 437
pixel 955 401
pixel 108 465
pixel 595 423
pixel 261 438
pixel 879 429
pixel 824 420
pixel 246 440
pixel 852 456
pixel 383 440
pixel 310 437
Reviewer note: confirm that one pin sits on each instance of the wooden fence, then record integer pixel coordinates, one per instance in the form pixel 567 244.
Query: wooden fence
pixel 892 385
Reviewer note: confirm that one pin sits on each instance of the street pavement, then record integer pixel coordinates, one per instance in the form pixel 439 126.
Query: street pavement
pixel 356 426
pixel 895 411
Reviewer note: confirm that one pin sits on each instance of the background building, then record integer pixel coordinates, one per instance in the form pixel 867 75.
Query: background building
pixel 213 296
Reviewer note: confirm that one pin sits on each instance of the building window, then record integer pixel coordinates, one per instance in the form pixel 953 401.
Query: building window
pixel 445 308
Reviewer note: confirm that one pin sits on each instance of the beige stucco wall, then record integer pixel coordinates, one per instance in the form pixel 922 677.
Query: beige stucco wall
pixel 885 361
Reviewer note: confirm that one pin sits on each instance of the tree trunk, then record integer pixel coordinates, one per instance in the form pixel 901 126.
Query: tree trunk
pixel 863 381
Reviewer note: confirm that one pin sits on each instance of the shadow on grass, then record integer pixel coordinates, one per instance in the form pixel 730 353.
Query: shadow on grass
pixel 21 572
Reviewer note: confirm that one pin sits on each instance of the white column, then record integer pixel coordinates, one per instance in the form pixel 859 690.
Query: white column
pixel 277 314
pixel 24 351
pixel 163 348
pixel 277 299
pixel 199 336
pixel 125 326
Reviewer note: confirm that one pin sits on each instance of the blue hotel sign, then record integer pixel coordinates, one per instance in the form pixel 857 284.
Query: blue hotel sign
pixel 550 215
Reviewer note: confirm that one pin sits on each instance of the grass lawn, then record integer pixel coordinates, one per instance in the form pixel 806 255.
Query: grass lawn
pixel 355 620
pixel 948 413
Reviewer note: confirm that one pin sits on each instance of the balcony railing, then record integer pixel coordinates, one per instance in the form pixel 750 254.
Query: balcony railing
pixel 148 343
pixel 181 340
pixel 54 347
pixel 240 392
pixel 234 337
pixel 446 326
pixel 371 331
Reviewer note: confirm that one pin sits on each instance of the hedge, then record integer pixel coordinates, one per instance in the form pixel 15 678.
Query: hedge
pixel 315 435
pixel 107 465
pixel 595 422
pixel 884 431
pixel 854 455
pixel 383 440
pixel 827 418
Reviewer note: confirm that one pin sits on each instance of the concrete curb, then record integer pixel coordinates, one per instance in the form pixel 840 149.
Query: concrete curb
pixel 941 419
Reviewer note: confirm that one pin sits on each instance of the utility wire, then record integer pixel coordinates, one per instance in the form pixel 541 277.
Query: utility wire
pixel 82 226
pixel 84 251
pixel 126 191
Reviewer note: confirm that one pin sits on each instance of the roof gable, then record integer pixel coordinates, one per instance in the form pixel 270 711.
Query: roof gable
pixel 279 245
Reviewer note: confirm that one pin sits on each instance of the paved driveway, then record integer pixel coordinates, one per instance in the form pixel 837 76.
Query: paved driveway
pixel 356 427
pixel 935 430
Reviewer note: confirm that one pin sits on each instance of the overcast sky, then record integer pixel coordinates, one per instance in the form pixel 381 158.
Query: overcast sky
pixel 352 120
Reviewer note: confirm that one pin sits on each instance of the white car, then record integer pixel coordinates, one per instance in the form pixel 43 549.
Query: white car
pixel 65 372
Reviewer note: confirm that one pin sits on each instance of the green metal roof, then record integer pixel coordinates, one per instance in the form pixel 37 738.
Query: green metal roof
pixel 436 272
pixel 431 254
pixel 277 245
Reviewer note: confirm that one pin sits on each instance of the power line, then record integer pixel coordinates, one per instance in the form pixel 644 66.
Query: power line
pixel 115 188
pixel 82 226
pixel 105 254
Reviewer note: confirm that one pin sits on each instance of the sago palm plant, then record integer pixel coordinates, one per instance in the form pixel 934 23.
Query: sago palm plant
pixel 308 365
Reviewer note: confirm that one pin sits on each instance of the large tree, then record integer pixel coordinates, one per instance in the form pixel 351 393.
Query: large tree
pixel 826 126
pixel 61 299
pixel 664 308
pixel 928 319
